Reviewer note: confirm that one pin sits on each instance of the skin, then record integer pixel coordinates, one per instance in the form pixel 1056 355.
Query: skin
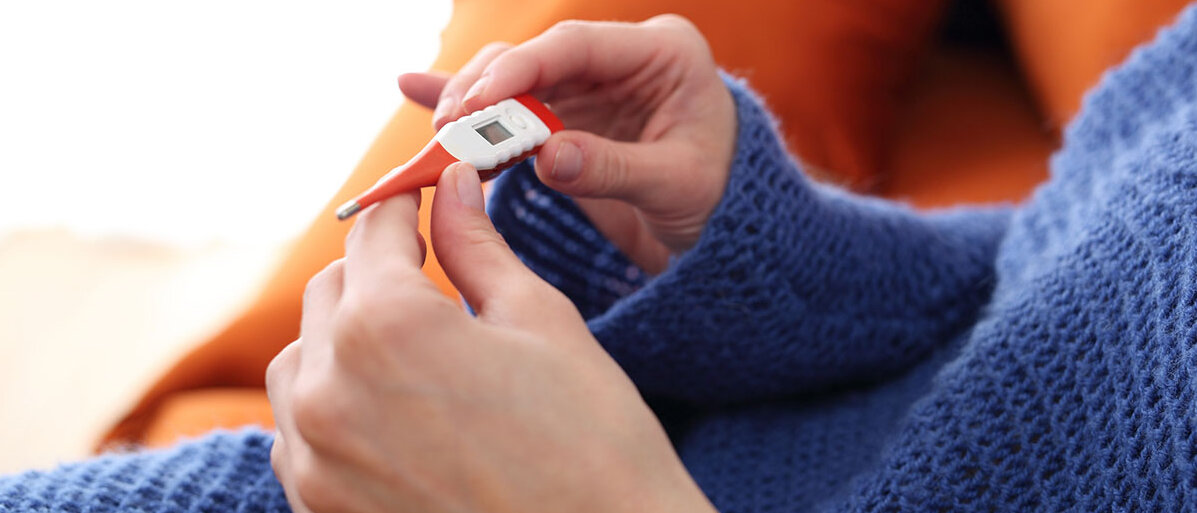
pixel 644 105
pixel 393 399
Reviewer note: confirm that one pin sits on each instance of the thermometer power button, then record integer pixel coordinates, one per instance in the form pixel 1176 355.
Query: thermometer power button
pixel 516 119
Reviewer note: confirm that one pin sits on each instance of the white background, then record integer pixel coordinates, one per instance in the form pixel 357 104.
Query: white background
pixel 195 122
pixel 156 157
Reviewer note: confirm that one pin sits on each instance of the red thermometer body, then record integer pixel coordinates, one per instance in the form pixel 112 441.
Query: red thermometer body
pixel 492 140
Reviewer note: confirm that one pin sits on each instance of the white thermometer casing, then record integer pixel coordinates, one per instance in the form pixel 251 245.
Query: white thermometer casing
pixel 494 135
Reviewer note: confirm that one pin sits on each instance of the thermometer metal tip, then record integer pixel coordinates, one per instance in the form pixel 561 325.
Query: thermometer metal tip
pixel 348 209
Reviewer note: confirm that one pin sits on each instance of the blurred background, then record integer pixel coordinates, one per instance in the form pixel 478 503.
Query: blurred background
pixel 155 159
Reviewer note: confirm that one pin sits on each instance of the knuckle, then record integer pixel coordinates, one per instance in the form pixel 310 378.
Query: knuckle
pixel 677 23
pixel 279 365
pixel 356 334
pixel 365 320
pixel 675 20
pixel 569 28
pixel 371 304
pixel 358 315
pixel 278 456
pixel 316 490
pixel 684 30
pixel 318 417
pixel 494 48
pixel 671 20
pixel 324 278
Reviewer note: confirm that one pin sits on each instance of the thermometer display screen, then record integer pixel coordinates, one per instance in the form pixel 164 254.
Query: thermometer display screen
pixel 493 132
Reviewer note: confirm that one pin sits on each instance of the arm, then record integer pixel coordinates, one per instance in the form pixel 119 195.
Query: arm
pixel 791 286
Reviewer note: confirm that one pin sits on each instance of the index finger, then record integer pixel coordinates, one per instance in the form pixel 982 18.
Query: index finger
pixel 384 244
pixel 573 50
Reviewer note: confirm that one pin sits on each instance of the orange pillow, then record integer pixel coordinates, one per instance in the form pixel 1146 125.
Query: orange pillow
pixel 1065 45
pixel 830 69
pixel 192 413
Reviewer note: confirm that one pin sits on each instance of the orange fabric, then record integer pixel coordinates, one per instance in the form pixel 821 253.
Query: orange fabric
pixel 969 133
pixel 1065 45
pixel 192 413
pixel 830 70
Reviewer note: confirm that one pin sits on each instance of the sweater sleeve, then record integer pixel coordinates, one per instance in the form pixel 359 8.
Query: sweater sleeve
pixel 221 472
pixel 792 286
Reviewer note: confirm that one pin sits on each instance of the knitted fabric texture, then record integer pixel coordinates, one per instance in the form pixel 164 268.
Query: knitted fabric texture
pixel 819 351
pixel 224 471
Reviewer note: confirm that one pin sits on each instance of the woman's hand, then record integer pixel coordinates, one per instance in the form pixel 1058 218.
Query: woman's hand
pixel 393 399
pixel 651 127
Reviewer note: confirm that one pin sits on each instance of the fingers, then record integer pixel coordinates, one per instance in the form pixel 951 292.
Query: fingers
pixel 320 299
pixel 311 480
pixel 280 375
pixel 448 107
pixel 585 165
pixel 384 247
pixel 423 88
pixel 591 51
pixel 280 463
pixel 477 260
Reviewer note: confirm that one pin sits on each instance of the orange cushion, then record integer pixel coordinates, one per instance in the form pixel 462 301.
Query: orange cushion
pixel 1065 45
pixel 969 133
pixel 195 412
pixel 829 69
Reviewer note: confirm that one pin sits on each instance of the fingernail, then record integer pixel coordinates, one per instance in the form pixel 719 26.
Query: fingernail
pixel 443 108
pixel 469 187
pixel 477 89
pixel 567 162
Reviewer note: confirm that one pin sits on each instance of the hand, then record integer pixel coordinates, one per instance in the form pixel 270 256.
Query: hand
pixel 651 125
pixel 394 399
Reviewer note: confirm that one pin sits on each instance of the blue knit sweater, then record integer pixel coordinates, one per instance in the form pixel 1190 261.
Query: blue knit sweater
pixel 819 351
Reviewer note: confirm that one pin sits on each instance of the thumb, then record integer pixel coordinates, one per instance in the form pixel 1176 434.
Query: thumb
pixel 476 258
pixel 590 166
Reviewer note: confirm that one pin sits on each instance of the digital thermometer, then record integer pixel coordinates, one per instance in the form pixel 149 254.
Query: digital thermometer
pixel 491 140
